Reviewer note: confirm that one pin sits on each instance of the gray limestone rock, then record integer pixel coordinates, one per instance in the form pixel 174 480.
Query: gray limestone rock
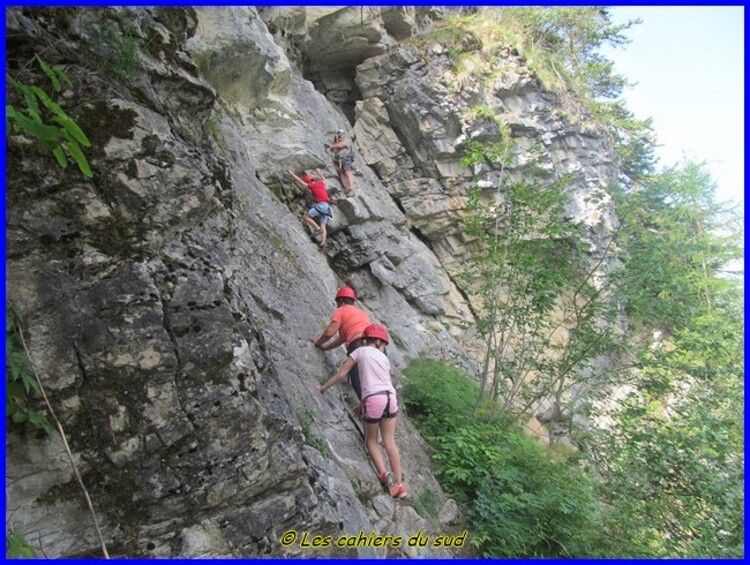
pixel 169 302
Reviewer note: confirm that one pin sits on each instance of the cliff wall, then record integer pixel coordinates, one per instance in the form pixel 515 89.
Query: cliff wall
pixel 169 302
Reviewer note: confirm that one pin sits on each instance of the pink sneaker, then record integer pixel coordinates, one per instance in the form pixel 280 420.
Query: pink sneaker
pixel 398 491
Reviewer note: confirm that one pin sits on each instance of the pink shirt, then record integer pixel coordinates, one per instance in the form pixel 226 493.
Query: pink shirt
pixel 374 370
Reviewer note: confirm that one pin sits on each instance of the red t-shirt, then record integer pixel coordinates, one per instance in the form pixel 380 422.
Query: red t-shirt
pixel 352 322
pixel 319 192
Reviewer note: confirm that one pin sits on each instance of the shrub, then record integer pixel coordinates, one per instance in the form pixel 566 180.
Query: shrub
pixel 21 387
pixel 439 397
pixel 306 419
pixel 521 501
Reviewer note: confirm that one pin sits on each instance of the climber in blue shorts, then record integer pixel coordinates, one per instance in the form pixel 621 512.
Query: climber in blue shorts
pixel 318 216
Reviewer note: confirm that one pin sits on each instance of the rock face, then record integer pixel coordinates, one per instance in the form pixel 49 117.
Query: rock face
pixel 169 301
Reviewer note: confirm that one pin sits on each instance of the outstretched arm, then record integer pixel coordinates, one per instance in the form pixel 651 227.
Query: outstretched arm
pixel 327 334
pixel 339 376
pixel 299 180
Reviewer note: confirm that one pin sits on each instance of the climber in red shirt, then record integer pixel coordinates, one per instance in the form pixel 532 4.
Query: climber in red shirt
pixel 321 209
pixel 349 322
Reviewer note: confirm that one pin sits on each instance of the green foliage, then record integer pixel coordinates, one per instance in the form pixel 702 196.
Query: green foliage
pixel 21 385
pixel 451 31
pixel 306 418
pixel 521 502
pixel 45 121
pixel 496 153
pixel 559 44
pixel 530 275
pixel 566 40
pixel 677 240
pixel 635 140
pixel 437 396
pixel 17 547
pixel 674 468
pixel 484 111
pixel 672 465
pixel 113 46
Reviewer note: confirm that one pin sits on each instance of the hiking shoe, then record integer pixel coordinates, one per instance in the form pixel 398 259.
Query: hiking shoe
pixel 387 480
pixel 398 491
pixel 316 233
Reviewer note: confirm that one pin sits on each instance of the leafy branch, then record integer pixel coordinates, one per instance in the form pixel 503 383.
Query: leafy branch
pixel 21 385
pixel 44 120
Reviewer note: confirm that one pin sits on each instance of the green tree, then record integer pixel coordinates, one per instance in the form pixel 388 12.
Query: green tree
pixel 635 140
pixel 678 240
pixel 541 316
pixel 672 464
pixel 672 467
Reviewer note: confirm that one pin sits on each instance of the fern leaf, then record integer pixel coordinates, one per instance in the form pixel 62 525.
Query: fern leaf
pixel 60 156
pixel 49 72
pixel 34 129
pixel 53 106
pixel 73 129
pixel 77 154
pixel 32 106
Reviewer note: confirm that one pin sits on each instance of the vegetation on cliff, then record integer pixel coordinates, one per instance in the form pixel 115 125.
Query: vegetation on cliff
pixel 665 477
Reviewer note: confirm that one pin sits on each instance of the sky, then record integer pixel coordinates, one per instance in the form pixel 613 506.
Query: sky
pixel 688 63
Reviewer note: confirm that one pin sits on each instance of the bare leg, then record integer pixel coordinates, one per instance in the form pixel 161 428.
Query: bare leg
pixel 310 222
pixel 374 448
pixel 388 430
pixel 323 234
pixel 348 182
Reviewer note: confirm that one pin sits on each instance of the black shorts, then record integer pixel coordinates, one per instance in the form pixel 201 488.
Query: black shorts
pixel 346 163
pixel 353 376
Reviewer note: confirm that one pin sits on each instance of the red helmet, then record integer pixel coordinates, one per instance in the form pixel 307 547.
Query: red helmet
pixel 307 177
pixel 374 331
pixel 346 292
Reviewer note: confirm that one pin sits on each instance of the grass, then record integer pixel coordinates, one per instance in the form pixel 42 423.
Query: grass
pixel 316 442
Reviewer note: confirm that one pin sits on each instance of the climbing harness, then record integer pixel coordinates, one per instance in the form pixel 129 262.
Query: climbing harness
pixel 327 213
pixel 386 411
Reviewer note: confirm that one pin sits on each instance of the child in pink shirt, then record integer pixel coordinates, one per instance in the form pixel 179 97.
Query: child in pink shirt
pixel 379 403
